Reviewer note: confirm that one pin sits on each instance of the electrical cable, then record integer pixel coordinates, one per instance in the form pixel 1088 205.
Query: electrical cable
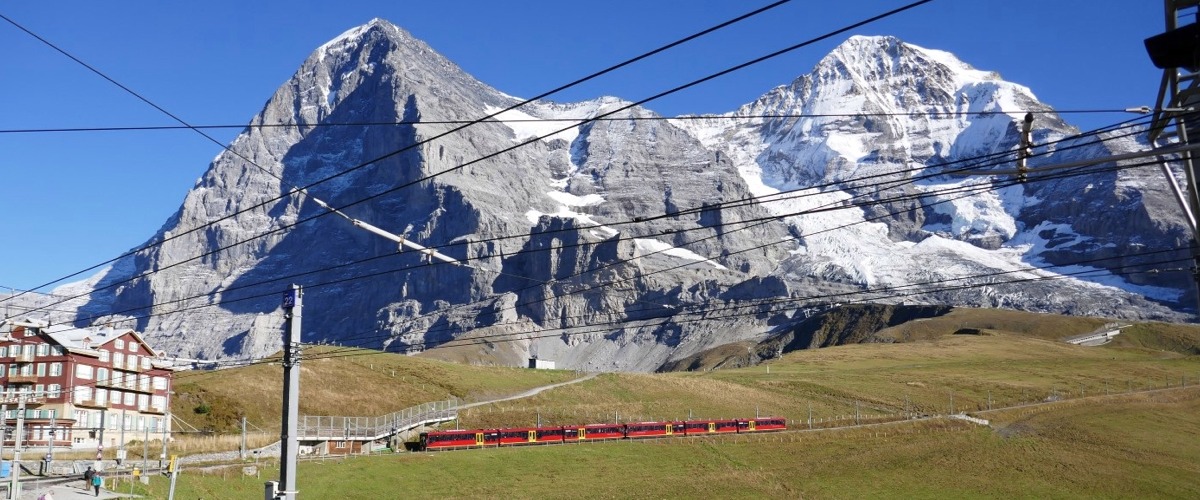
pixel 930 114
pixel 895 292
pixel 582 290
pixel 303 189
pixel 750 200
pixel 337 210
pixel 839 206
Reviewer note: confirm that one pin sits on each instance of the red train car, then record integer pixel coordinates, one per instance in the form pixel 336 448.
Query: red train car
pixel 459 439
pixel 593 432
pixel 762 424
pixel 531 435
pixel 651 429
pixel 701 427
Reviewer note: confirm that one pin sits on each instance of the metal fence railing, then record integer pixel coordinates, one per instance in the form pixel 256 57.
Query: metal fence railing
pixel 366 428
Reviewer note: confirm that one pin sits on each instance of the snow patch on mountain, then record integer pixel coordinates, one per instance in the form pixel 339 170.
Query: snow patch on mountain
pixel 646 246
pixel 570 200
pixel 974 207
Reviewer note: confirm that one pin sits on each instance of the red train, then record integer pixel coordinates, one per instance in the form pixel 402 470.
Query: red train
pixel 478 438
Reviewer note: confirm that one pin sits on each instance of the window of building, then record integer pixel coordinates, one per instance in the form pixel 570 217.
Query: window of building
pixel 3 351
pixel 2 370
pixel 119 344
pixel 132 346
pixel 143 402
pixel 56 350
pixel 27 369
pixel 339 444
pixel 143 382
pixel 12 369
pixel 29 350
pixel 158 402
pixel 102 374
pixel 160 383
pixel 146 362
pixel 101 396
pixel 82 393
pixel 131 363
pixel 41 369
pixel 130 399
pixel 83 372
pixel 103 356
pixel 43 349
pixel 118 359
pixel 54 390
pixel 55 369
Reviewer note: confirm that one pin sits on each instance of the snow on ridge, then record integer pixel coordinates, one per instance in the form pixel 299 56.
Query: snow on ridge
pixel 546 120
pixel 526 126
pixel 650 245
pixel 571 200
pixel 594 228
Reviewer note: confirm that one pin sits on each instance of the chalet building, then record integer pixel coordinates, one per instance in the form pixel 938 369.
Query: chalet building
pixel 82 387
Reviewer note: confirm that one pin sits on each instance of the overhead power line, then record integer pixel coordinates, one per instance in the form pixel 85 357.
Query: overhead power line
pixel 531 141
pixel 869 295
pixel 959 190
pixel 443 134
pixel 586 289
pixel 930 114
pixel 227 300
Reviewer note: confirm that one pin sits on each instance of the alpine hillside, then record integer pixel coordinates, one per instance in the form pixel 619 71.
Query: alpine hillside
pixel 628 242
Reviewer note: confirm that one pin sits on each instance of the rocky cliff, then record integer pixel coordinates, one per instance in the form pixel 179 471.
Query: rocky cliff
pixel 626 242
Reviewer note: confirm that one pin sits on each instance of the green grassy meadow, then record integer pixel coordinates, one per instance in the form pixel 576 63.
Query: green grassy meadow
pixel 1116 421
pixel 1128 446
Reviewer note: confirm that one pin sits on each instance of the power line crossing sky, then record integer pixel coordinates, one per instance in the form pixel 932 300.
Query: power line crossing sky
pixel 76 199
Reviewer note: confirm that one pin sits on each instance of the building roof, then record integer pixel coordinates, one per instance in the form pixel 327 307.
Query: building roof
pixel 74 338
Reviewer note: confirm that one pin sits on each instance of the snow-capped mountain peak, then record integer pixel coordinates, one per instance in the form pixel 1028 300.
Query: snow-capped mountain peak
pixel 618 221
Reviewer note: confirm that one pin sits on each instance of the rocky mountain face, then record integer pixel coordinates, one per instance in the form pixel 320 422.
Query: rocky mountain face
pixel 625 243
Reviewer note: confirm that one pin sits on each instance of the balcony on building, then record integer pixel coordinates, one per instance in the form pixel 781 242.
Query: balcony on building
pixel 92 403
pixel 13 399
pixel 22 379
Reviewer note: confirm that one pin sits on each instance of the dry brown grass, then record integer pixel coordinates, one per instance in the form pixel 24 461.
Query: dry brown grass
pixel 341 381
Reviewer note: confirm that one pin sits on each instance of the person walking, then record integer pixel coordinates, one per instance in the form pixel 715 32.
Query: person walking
pixel 97 480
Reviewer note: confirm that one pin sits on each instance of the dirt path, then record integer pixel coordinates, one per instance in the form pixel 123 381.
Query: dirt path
pixel 532 392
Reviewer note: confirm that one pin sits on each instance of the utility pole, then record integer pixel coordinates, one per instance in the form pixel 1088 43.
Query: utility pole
pixel 165 436
pixel 100 448
pixel 50 454
pixel 242 450
pixel 121 450
pixel 292 307
pixel 3 428
pixel 145 445
pixel 14 486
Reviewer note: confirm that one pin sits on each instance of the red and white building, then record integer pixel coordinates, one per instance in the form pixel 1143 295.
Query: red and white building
pixel 82 386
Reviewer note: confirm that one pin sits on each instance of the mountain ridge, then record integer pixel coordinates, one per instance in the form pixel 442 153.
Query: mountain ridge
pixel 529 215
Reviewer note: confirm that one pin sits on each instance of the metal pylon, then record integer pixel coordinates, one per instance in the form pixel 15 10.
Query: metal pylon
pixel 1176 121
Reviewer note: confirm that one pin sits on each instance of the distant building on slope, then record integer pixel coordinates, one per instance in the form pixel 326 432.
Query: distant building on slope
pixel 81 386
pixel 541 364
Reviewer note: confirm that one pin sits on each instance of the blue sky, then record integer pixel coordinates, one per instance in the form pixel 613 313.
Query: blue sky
pixel 78 199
